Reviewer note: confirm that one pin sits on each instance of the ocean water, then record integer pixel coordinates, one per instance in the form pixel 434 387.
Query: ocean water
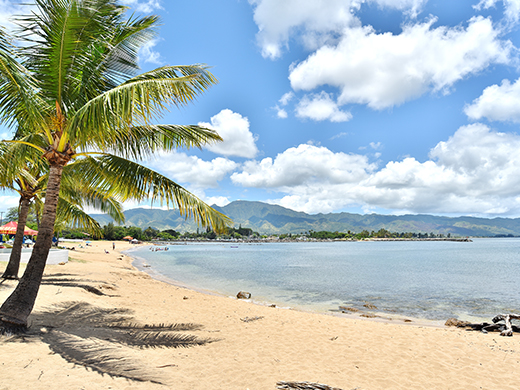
pixel 427 280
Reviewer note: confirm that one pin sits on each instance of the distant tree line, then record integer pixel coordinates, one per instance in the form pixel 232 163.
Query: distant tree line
pixel 381 233
pixel 115 233
pixel 112 232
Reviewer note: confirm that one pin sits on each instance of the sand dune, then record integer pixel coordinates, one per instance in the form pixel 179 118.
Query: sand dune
pixel 80 339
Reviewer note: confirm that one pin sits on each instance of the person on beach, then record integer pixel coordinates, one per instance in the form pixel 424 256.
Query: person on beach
pixel 113 246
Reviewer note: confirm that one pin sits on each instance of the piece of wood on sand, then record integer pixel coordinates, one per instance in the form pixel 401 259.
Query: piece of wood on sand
pixel 508 331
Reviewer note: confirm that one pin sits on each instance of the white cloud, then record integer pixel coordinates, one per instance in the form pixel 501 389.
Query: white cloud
pixel 286 98
pixel 320 107
pixel 193 171
pixel 497 103
pixel 8 201
pixel 474 172
pixel 511 8
pixel 278 20
pixel 210 200
pixel 234 129
pixel 485 4
pixel 148 54
pixel 281 113
pixel 218 200
pixel 4 135
pixel 339 135
pixel 303 166
pixel 144 6
pixel 316 22
pixel 376 145
pixel 411 7
pixel 8 9
pixel 383 70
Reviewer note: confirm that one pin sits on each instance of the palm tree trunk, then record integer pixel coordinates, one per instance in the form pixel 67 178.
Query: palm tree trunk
pixel 19 304
pixel 11 272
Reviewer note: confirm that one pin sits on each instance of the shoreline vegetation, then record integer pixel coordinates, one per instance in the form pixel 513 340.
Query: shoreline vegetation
pixel 78 336
pixel 240 234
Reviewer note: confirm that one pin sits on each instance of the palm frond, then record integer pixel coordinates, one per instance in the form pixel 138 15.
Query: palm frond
pixel 137 102
pixel 20 168
pixel 141 141
pixel 76 217
pixel 129 180
pixel 114 58
pixel 19 102
pixel 78 191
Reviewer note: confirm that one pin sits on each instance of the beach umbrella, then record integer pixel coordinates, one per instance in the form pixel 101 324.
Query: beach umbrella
pixel 10 228
pixel 128 238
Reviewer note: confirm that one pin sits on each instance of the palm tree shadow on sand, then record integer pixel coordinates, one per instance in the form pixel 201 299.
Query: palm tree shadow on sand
pixel 100 339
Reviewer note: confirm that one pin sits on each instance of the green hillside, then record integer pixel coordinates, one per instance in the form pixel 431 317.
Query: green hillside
pixel 268 219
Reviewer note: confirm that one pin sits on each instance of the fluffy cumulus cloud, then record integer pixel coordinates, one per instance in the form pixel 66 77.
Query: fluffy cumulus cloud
pixel 306 165
pixel 194 174
pixel 380 70
pixel 316 22
pixel 475 171
pixel 383 70
pixel 497 103
pixel 321 107
pixel 278 20
pixel 192 170
pixel 234 129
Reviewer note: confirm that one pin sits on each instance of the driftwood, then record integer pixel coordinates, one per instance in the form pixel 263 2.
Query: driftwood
pixel 505 329
pixel 508 331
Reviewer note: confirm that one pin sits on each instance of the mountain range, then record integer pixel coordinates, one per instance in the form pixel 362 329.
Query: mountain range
pixel 272 219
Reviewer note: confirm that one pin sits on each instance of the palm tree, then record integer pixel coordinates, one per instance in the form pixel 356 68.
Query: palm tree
pixel 30 183
pixel 79 94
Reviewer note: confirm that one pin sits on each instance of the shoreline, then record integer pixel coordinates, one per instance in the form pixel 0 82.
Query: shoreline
pixel 378 316
pixel 250 346
pixel 362 313
pixel 384 317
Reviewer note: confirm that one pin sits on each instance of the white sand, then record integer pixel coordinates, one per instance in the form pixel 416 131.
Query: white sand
pixel 277 345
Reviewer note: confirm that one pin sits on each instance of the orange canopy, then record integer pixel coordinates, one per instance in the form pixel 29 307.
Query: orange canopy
pixel 128 238
pixel 10 228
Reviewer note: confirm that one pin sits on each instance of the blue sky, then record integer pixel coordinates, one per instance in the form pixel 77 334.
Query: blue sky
pixel 386 106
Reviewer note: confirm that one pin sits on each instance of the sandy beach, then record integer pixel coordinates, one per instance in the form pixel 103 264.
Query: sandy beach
pixel 87 332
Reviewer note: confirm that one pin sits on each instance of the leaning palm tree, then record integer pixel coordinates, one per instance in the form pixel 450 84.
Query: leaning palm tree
pixel 79 94
pixel 29 181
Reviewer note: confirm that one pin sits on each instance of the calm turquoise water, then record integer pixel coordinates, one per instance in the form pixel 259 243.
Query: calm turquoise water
pixel 430 280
